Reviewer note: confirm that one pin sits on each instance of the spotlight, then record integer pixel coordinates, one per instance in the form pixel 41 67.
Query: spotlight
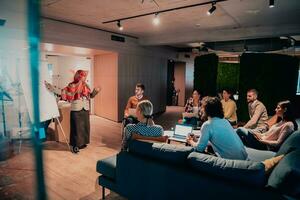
pixel 271 3
pixel 156 19
pixel 120 26
pixel 212 9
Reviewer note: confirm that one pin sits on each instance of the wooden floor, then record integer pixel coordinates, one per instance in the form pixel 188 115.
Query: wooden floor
pixel 67 175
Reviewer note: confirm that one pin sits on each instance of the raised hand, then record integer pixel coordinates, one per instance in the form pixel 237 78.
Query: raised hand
pixel 97 89
pixel 49 86
pixel 189 139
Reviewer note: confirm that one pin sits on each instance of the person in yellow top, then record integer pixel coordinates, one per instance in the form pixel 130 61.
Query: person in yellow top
pixel 229 107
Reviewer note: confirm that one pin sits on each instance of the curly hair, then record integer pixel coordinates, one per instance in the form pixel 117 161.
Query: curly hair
pixel 212 107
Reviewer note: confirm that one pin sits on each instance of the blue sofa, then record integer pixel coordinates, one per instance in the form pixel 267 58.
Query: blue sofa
pixel 164 171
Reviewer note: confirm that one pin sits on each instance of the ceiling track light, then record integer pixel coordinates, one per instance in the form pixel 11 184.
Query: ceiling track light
pixel 271 3
pixel 120 25
pixel 212 9
pixel 156 20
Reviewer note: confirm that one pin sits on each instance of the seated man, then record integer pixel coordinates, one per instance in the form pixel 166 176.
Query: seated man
pixel 258 116
pixel 145 127
pixel 132 103
pixel 218 132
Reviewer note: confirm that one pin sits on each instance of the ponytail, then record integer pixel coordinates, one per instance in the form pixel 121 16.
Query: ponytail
pixel 146 109
pixel 147 119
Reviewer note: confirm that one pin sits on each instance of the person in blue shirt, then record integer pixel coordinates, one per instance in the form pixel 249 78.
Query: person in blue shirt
pixel 218 132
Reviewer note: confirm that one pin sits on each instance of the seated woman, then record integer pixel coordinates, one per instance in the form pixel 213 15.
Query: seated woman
pixel 229 107
pixel 276 135
pixel 192 108
pixel 218 132
pixel 145 127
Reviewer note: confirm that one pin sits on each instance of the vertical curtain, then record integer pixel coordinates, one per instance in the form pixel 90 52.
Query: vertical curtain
pixel 273 75
pixel 205 74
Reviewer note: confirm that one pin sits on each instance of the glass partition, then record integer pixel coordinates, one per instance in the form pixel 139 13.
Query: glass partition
pixel 21 129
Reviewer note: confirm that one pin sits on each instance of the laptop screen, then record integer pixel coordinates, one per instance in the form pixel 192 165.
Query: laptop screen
pixel 182 130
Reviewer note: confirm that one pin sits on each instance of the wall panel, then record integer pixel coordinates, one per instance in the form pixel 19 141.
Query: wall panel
pixel 106 76
pixel 149 70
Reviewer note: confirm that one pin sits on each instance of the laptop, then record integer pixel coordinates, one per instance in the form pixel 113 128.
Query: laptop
pixel 181 131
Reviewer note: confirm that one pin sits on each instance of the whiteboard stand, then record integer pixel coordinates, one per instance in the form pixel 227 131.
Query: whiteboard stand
pixel 21 132
pixel 63 132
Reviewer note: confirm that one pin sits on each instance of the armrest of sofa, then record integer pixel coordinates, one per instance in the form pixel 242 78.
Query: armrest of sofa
pixel 107 167
pixel 259 155
pixel 285 177
pixel 292 143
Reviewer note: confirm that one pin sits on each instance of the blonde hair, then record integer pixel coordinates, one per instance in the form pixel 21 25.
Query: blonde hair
pixel 146 109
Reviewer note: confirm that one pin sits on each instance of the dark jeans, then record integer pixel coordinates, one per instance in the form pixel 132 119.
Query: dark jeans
pixel 232 123
pixel 249 139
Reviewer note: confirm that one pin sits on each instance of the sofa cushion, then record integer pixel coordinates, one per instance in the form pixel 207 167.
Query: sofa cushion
pixel 259 155
pixel 290 144
pixel 249 172
pixel 164 152
pixel 286 175
pixel 107 167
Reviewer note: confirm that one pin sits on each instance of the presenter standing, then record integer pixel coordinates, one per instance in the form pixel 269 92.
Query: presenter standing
pixel 78 93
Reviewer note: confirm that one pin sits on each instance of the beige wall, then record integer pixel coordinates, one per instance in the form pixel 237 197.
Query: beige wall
pixel 180 79
pixel 106 76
